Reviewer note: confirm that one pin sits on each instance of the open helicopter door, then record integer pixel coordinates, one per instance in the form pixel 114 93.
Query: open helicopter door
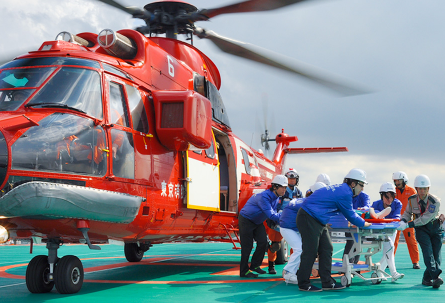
pixel 202 170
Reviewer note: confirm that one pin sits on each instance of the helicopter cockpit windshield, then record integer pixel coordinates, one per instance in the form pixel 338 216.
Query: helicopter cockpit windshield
pixel 74 88
pixel 71 84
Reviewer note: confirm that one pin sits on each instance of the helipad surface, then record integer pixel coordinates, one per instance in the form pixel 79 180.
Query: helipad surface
pixel 204 272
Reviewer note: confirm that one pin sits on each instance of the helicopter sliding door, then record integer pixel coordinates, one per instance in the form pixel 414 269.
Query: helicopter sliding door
pixel 203 179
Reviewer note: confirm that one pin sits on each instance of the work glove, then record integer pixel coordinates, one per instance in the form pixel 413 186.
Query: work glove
pixel 275 246
pixel 270 223
pixel 402 225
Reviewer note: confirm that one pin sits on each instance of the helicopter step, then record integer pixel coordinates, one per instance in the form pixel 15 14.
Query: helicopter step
pixel 230 229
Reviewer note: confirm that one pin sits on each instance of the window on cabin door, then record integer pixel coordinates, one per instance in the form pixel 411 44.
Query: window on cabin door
pixel 122 145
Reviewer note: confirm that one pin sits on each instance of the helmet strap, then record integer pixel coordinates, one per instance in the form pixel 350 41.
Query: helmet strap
pixel 353 190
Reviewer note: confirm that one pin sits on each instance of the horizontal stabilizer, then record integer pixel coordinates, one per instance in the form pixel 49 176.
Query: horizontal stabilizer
pixel 311 150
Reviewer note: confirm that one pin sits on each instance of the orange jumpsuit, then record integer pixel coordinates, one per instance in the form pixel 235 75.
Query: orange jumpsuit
pixel 409 233
pixel 274 236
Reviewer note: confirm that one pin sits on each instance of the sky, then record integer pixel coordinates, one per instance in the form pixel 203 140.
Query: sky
pixel 393 47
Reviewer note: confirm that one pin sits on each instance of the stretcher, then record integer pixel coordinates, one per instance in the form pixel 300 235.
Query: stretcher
pixel 367 242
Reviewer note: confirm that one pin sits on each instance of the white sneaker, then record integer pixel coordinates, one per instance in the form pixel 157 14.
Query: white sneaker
pixel 397 276
pixel 290 278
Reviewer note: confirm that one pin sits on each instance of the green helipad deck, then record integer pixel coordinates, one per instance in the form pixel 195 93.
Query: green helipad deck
pixel 205 272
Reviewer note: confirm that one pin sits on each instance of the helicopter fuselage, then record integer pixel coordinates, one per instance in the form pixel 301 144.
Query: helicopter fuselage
pixel 132 149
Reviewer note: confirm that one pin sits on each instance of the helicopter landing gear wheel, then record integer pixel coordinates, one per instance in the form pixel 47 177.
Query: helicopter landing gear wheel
pixel 376 281
pixel 133 252
pixel 68 275
pixel 37 275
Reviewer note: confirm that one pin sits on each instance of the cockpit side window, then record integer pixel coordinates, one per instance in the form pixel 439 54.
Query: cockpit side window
pixel 118 108
pixel 199 84
pixel 137 109
pixel 122 153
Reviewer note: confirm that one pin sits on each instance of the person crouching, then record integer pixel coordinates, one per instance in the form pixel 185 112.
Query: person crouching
pixel 251 218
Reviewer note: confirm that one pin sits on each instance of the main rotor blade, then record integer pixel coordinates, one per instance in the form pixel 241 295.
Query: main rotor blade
pixel 248 6
pixel 250 52
pixel 136 12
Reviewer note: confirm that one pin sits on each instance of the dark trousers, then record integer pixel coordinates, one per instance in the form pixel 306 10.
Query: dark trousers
pixel 429 237
pixel 248 232
pixel 348 246
pixel 316 240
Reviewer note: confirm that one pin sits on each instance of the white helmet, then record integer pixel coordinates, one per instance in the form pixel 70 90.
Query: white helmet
pixel 324 179
pixel 292 173
pixel 422 181
pixel 387 187
pixel 280 180
pixel 317 185
pixel 357 174
pixel 400 175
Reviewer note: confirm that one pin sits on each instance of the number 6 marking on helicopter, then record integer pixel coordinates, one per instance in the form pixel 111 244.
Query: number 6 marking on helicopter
pixel 171 68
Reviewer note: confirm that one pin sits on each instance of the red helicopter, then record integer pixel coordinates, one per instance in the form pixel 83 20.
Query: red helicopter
pixel 124 136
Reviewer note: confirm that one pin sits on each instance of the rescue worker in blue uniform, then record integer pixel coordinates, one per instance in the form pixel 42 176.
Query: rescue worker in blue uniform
pixel 292 192
pixel 289 231
pixel 361 202
pixel 424 207
pixel 312 219
pixel 323 178
pixel 251 218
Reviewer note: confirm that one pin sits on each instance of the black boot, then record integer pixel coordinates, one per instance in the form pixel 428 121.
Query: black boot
pixel 272 270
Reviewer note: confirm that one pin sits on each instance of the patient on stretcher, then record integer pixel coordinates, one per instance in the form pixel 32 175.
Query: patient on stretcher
pixel 373 214
pixel 388 207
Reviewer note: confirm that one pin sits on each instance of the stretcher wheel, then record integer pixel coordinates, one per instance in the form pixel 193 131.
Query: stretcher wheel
pixel 284 253
pixel 376 281
pixel 344 281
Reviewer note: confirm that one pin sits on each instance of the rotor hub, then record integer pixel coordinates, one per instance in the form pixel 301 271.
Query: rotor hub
pixel 171 7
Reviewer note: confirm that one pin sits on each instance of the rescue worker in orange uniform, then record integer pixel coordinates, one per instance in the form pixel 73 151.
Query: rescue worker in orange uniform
pixel 274 235
pixel 403 192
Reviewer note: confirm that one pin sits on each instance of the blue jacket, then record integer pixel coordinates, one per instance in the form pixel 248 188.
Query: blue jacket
pixel 329 201
pixel 288 217
pixel 260 207
pixel 362 200
pixel 288 196
pixel 396 208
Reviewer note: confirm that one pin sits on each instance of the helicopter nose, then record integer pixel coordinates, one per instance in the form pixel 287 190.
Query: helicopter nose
pixel 3 158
